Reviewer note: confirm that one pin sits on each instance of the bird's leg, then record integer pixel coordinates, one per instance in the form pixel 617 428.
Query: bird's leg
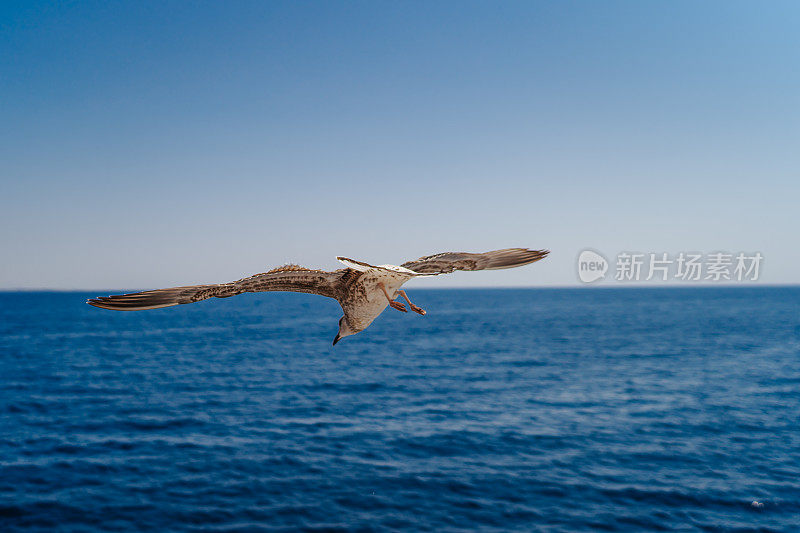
pixel 395 304
pixel 413 307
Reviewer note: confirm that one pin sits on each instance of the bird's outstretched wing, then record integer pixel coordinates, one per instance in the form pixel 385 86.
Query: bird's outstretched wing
pixel 447 262
pixel 290 278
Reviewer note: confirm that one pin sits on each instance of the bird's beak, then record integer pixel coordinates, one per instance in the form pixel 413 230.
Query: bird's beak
pixel 336 339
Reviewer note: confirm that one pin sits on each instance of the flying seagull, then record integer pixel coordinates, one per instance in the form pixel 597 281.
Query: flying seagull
pixel 363 290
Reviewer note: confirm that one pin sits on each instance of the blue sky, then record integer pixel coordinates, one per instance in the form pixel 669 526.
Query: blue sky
pixel 147 144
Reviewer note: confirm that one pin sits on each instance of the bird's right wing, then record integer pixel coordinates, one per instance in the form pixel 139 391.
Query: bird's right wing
pixel 447 262
pixel 289 278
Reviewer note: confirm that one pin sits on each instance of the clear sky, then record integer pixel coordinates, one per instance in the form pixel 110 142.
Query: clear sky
pixel 148 144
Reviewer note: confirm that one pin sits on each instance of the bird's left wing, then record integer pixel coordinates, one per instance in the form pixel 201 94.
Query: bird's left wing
pixel 447 262
pixel 291 278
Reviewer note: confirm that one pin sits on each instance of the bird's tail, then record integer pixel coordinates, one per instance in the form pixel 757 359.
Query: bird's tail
pixel 155 299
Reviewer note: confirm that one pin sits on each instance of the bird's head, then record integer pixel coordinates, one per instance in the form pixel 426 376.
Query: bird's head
pixel 344 330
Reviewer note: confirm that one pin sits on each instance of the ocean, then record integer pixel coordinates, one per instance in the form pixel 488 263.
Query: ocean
pixel 501 410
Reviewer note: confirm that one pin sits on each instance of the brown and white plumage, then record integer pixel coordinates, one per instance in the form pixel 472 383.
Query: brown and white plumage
pixel 291 278
pixel 363 290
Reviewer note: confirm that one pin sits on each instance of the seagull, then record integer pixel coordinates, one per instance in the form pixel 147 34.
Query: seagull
pixel 363 290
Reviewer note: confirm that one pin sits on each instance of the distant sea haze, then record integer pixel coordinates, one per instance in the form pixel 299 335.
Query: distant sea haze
pixel 519 410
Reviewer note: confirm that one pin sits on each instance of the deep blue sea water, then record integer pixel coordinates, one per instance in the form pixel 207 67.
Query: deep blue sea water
pixel 523 410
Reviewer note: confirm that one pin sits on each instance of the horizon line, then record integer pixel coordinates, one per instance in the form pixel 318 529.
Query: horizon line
pixel 634 285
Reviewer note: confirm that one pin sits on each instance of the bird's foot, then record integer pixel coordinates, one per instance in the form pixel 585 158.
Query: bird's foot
pixel 398 306
pixel 417 309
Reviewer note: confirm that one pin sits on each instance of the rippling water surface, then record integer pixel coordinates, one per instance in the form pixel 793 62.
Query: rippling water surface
pixel 552 410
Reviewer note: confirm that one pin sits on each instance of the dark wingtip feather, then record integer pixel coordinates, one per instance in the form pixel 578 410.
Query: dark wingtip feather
pixel 512 257
pixel 136 301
